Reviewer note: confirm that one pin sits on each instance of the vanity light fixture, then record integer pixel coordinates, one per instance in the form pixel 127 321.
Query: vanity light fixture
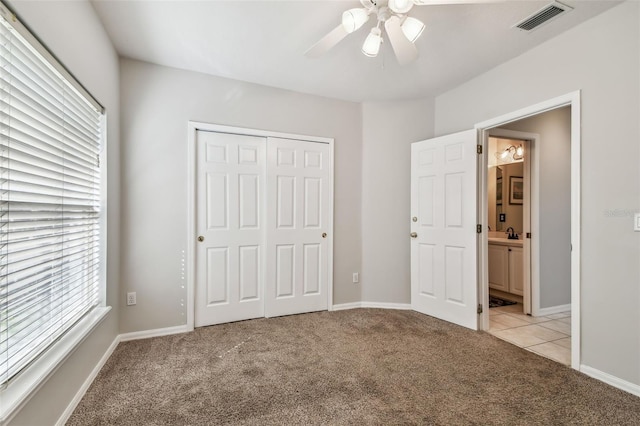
pixel 515 152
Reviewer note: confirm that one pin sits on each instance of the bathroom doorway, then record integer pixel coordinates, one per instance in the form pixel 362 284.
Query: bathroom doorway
pixel 529 194
pixel 509 218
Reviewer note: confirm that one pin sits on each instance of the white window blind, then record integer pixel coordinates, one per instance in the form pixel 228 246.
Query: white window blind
pixel 50 139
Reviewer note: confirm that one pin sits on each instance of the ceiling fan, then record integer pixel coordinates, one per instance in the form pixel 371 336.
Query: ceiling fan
pixel 401 30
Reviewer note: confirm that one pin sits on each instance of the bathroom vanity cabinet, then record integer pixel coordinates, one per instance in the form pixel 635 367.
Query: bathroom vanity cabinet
pixel 506 265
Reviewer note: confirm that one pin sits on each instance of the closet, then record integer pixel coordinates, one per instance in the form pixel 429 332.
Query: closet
pixel 263 216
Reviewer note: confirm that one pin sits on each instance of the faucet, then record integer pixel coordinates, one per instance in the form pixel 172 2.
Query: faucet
pixel 511 233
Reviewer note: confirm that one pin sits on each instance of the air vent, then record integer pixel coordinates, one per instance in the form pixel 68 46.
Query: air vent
pixel 545 14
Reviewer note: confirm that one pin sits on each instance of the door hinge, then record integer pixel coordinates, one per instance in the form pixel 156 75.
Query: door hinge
pixel 479 229
pixel 479 149
pixel 479 308
pixel 528 234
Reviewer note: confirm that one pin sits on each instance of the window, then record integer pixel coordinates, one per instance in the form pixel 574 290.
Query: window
pixel 50 200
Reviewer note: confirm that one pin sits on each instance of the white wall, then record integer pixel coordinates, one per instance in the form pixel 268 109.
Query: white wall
pixel 554 203
pixel 73 32
pixel 389 128
pixel 600 57
pixel 157 103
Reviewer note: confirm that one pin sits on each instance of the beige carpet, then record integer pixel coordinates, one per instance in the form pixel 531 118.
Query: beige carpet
pixel 362 366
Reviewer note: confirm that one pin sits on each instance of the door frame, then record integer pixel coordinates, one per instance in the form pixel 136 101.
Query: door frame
pixel 189 264
pixel 573 100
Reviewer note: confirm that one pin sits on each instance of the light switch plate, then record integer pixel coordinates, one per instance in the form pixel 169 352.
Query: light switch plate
pixel 636 222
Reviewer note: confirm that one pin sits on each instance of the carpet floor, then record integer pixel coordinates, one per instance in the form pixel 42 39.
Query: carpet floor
pixel 361 366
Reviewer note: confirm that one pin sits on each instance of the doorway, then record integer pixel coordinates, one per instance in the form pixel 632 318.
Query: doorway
pixel 442 218
pixel 560 313
pixel 509 189
pixel 510 262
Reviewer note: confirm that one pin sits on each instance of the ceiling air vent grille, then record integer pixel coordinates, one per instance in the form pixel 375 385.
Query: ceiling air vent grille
pixel 545 14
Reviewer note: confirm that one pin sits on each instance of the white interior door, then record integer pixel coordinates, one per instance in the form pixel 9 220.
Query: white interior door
pixel 229 259
pixel 443 226
pixel 298 218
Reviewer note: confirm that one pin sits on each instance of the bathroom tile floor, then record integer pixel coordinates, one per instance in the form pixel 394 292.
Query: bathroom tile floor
pixel 549 336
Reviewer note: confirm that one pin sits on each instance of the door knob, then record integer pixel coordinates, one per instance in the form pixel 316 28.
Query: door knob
pixel 201 238
pixel 414 235
pixel 324 235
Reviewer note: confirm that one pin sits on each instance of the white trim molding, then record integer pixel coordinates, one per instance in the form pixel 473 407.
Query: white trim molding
pixel 614 381
pixel 377 305
pixel 156 332
pixel 89 380
pixel 345 306
pixel 541 312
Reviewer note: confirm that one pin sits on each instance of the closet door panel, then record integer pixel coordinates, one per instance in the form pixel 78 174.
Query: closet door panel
pixel 229 206
pixel 263 213
pixel 297 226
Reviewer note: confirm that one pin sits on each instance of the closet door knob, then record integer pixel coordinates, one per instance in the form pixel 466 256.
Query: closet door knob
pixel 201 238
pixel 414 235
pixel 324 235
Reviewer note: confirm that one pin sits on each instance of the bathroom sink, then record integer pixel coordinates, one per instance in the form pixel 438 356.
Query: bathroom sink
pixel 505 241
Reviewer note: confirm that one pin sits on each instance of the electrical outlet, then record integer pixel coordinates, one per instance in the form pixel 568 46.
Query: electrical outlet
pixel 356 277
pixel 131 298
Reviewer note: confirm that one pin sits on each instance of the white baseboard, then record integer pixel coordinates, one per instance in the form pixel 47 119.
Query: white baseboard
pixel 611 380
pixel 401 306
pixel 552 310
pixel 145 334
pixel 343 306
pixel 379 305
pixel 85 386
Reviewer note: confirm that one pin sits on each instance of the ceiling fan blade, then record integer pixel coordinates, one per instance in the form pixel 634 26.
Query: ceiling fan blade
pixel 327 42
pixel 405 51
pixel 441 2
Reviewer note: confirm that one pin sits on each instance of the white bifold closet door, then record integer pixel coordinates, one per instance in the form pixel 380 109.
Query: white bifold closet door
pixel 263 215
pixel 298 209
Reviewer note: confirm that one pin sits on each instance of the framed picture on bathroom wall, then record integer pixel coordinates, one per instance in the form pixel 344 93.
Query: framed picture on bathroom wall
pixel 516 190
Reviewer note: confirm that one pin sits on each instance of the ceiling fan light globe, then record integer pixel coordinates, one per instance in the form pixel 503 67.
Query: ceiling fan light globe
pixel 371 45
pixel 400 6
pixel 412 28
pixel 353 19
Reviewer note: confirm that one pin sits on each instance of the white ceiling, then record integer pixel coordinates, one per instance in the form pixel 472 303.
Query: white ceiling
pixel 264 42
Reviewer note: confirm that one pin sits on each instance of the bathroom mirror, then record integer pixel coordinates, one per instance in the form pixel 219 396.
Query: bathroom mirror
pixel 499 178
